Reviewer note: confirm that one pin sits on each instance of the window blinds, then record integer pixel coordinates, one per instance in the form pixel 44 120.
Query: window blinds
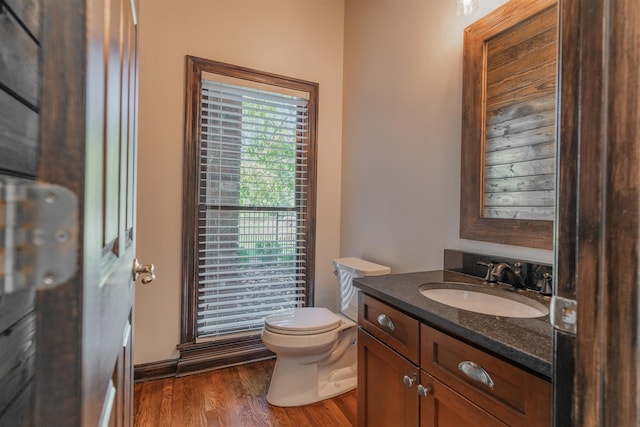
pixel 252 207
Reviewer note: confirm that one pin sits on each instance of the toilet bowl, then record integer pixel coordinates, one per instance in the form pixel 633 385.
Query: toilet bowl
pixel 316 348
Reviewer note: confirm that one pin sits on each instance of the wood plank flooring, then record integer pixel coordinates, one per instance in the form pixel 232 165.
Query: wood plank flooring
pixel 232 397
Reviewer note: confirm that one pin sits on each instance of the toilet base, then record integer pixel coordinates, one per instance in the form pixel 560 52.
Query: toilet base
pixel 297 384
pixel 340 381
pixel 306 385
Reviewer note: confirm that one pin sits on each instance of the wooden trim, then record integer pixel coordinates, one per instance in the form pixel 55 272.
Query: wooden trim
pixel 189 200
pixel 244 73
pixel 194 69
pixel 618 288
pixel 155 370
pixel 312 170
pixel 218 354
pixel 565 259
pixel 62 143
pixel 530 233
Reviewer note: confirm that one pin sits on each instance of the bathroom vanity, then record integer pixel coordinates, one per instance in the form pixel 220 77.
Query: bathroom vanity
pixel 424 363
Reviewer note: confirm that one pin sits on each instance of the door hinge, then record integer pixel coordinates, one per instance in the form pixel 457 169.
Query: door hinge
pixel 38 235
pixel 564 313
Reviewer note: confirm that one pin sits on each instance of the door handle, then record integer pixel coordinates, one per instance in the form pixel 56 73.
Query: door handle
pixel 139 269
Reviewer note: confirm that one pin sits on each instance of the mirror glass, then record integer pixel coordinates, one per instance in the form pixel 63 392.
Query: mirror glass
pixel 508 135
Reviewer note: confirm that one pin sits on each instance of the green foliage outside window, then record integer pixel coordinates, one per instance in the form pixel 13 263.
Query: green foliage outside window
pixel 268 167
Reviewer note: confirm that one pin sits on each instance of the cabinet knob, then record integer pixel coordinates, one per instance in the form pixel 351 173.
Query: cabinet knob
pixel 384 320
pixel 423 391
pixel 408 381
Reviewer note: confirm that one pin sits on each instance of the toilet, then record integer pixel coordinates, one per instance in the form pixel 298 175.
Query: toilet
pixel 316 348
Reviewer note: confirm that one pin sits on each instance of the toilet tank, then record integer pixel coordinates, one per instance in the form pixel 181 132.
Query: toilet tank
pixel 346 269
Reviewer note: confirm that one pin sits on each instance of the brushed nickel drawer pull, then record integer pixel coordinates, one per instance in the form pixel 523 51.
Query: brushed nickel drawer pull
pixel 476 373
pixel 384 320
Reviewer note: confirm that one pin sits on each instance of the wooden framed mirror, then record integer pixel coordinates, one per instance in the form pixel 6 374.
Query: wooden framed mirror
pixel 508 125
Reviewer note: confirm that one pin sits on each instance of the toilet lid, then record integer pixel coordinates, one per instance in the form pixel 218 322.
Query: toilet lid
pixel 302 321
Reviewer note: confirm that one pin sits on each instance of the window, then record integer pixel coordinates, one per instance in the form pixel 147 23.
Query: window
pixel 250 206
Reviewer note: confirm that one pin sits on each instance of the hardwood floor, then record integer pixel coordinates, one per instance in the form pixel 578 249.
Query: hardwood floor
pixel 232 397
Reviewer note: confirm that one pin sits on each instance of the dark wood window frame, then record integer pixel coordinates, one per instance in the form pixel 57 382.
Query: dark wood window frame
pixel 198 356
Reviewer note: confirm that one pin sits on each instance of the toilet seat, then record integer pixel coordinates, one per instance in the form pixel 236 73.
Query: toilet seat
pixel 302 321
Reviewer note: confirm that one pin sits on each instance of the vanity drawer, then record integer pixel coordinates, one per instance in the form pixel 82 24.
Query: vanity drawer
pixel 509 393
pixel 394 328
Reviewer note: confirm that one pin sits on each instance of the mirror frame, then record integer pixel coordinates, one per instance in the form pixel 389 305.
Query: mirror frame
pixel 473 226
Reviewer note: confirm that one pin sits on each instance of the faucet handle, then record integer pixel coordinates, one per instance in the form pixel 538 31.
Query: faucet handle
pixel 547 288
pixel 489 277
pixel 517 268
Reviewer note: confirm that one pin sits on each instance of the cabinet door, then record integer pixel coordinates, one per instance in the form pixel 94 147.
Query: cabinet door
pixel 443 407
pixel 514 396
pixel 383 397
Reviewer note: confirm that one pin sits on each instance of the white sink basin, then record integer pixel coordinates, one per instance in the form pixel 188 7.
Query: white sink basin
pixel 486 303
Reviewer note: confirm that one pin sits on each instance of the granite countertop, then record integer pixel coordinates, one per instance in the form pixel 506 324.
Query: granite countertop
pixel 527 342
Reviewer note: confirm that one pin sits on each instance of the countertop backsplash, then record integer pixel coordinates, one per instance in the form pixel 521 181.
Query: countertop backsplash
pixel 467 263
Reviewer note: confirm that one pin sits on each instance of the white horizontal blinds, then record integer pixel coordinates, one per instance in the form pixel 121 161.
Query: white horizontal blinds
pixel 519 147
pixel 252 207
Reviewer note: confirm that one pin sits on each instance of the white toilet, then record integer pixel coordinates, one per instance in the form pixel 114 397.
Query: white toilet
pixel 315 348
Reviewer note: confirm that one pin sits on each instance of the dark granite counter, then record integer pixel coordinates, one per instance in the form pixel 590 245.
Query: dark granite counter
pixel 526 342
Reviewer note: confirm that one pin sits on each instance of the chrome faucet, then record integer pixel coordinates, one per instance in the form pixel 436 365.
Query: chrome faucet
pixel 547 288
pixel 488 277
pixel 498 272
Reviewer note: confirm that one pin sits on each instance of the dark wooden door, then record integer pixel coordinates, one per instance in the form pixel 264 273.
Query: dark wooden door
pixel 88 144
pixel 596 370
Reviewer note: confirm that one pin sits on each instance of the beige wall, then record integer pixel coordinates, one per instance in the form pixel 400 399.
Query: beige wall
pixel 401 134
pixel 301 39
pixel 389 155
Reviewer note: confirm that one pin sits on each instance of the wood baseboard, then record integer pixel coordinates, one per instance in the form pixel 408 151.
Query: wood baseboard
pixel 208 356
pixel 201 357
pixel 155 370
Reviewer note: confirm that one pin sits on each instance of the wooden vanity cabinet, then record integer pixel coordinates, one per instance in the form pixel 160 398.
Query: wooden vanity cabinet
pixel 410 374
pixel 388 373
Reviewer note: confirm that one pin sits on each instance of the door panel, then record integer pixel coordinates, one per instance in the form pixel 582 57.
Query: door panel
pixel 90 147
pixel 112 140
pixel 122 414
pixel 132 125
pixel 109 291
